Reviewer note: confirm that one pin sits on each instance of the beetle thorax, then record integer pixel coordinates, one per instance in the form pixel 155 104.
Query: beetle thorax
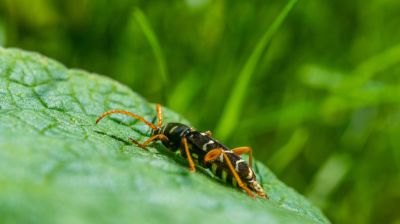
pixel 174 133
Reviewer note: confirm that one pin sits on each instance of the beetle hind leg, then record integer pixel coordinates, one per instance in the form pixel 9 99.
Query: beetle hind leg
pixel 214 154
pixel 243 150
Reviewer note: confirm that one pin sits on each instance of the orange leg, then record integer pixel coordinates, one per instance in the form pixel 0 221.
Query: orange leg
pixel 159 115
pixel 212 155
pixel 215 153
pixel 149 140
pixel 188 155
pixel 242 150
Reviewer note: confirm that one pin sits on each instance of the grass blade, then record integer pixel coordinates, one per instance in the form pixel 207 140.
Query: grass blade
pixel 154 43
pixel 232 109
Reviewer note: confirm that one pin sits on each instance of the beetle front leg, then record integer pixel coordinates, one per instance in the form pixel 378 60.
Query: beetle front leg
pixel 143 145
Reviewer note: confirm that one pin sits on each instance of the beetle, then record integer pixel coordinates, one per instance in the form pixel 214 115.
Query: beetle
pixel 203 149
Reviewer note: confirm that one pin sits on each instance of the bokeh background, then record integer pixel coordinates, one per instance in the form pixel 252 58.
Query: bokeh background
pixel 321 106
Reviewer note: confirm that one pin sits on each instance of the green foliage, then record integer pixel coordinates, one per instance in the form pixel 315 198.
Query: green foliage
pixel 235 103
pixel 155 46
pixel 57 166
pixel 321 108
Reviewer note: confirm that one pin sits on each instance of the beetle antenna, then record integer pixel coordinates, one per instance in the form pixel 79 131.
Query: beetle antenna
pixel 107 113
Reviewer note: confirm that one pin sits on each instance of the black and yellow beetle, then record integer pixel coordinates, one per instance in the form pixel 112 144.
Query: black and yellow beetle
pixel 207 152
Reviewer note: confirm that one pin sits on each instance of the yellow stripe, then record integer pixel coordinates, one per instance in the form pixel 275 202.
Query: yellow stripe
pixel 224 175
pixel 214 168
pixel 195 158
pixel 234 182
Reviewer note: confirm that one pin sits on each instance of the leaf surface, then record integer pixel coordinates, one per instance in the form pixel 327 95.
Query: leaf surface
pixel 57 166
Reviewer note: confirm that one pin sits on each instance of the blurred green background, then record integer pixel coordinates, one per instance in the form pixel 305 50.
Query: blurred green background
pixel 319 103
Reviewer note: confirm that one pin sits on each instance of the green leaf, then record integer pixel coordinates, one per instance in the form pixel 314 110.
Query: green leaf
pixel 57 166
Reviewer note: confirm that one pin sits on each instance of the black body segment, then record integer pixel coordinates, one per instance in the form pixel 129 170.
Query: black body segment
pixel 174 132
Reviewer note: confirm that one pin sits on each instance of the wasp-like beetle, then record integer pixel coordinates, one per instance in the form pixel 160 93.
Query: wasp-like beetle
pixel 203 149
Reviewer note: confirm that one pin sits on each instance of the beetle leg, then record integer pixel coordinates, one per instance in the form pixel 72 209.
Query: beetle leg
pixel 143 145
pixel 212 155
pixel 188 155
pixel 242 150
pixel 215 153
pixel 159 115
